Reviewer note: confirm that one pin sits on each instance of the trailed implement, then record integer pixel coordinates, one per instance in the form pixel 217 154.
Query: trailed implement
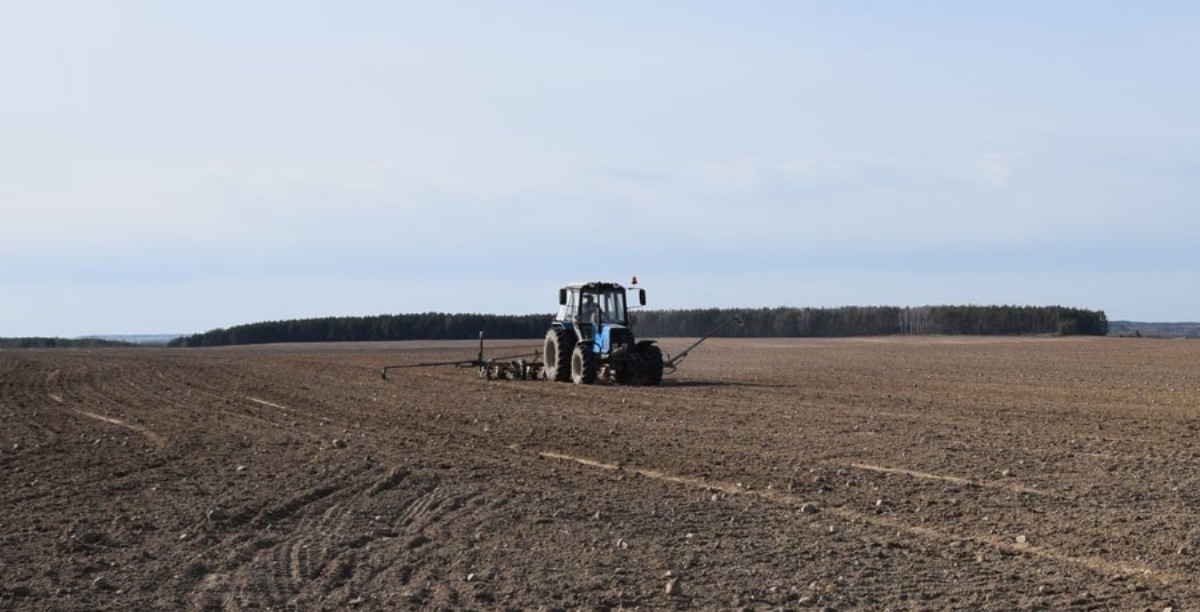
pixel 512 367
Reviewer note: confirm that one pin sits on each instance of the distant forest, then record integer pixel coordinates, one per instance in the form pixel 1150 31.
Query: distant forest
pixel 39 342
pixel 760 322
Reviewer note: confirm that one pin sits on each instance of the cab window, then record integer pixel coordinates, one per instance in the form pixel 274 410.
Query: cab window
pixel 567 311
pixel 612 307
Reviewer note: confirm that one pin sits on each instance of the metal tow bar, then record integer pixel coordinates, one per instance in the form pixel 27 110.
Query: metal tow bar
pixel 673 364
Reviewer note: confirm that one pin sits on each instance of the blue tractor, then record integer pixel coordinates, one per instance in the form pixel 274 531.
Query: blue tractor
pixel 590 338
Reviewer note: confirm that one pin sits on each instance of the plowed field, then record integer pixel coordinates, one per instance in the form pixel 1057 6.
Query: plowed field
pixel 852 474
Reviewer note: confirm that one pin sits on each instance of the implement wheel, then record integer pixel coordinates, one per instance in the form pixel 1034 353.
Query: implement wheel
pixel 557 353
pixel 584 364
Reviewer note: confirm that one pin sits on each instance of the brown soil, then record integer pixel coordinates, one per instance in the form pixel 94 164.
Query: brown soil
pixel 766 474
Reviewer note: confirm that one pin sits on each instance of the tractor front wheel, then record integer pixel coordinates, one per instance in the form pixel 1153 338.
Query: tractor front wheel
pixel 557 353
pixel 584 364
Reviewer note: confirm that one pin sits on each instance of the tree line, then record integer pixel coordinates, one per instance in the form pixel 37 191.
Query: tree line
pixel 879 321
pixel 45 342
pixel 423 326
pixel 758 322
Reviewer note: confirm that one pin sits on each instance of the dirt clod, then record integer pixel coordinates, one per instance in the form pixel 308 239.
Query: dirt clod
pixel 674 587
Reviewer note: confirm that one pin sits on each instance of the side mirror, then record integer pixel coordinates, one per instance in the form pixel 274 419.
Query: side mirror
pixel 642 296
pixel 562 297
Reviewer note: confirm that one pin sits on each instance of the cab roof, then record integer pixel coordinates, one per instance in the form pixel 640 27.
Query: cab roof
pixel 596 286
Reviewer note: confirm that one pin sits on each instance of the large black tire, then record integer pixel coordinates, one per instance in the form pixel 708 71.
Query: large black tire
pixel 651 372
pixel 584 364
pixel 557 353
pixel 623 373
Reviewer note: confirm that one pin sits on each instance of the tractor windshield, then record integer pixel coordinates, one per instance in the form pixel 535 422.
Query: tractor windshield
pixel 612 307
pixel 595 307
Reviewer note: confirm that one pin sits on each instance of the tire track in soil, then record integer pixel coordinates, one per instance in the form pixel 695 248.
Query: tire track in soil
pixel 1094 563
pixel 112 388
pixel 23 394
pixel 68 392
pixel 1026 517
pixel 119 391
pixel 1097 501
pixel 239 578
pixel 28 431
pixel 252 420
pixel 288 562
pixel 321 541
pixel 108 391
pixel 967 482
pixel 263 402
pixel 158 441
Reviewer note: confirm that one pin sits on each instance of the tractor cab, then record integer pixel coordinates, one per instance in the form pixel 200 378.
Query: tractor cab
pixel 595 304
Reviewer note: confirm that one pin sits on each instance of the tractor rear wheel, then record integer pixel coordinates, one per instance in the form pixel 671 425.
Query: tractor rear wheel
pixel 557 353
pixel 584 364
pixel 623 373
pixel 651 372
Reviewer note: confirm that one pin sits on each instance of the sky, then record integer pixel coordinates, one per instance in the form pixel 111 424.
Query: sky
pixel 174 167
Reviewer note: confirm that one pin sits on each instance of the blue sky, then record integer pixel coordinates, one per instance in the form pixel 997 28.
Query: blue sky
pixel 180 166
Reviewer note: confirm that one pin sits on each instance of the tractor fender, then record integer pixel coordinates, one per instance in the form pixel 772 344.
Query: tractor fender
pixel 643 344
